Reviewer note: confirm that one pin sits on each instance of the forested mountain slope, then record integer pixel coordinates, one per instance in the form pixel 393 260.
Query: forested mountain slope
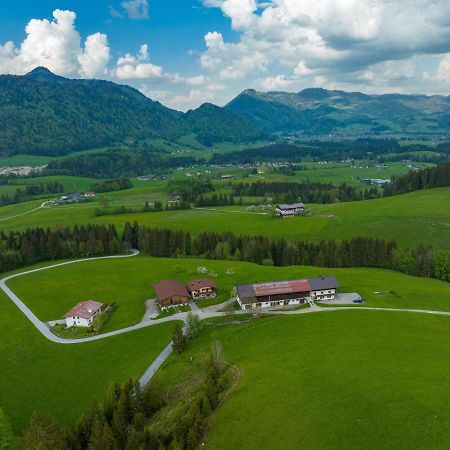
pixel 42 113
pixel 321 111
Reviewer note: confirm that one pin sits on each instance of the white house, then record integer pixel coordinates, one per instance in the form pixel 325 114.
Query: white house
pixel 83 314
pixel 289 210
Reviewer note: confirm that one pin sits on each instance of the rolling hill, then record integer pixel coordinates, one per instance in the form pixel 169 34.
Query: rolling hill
pixel 45 114
pixel 318 111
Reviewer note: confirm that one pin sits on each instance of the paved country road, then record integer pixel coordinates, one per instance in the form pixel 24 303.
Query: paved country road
pixel 206 313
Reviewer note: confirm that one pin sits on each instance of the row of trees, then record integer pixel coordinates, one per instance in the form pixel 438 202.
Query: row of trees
pixel 309 192
pixel 356 252
pixel 130 418
pixel 29 192
pixel 430 177
pixel 118 162
pixel 20 248
pixel 112 185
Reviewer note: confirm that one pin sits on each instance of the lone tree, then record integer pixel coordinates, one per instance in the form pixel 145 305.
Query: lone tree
pixel 178 340
pixel 193 325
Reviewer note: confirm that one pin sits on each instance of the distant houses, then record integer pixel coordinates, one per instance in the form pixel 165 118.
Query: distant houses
pixel 284 293
pixel 175 199
pixel 83 314
pixel 289 210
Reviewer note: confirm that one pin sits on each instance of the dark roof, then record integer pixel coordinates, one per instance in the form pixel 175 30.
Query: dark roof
pixel 84 309
pixel 322 283
pixel 291 206
pixel 246 291
pixel 201 283
pixel 168 288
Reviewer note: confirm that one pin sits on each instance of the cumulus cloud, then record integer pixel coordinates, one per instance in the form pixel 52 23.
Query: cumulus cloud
pixel 56 44
pixel 336 39
pixel 130 67
pixel 443 70
pixel 135 9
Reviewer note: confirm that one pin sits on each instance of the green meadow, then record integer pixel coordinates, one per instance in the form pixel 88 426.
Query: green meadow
pixel 129 283
pixel 334 380
pixel 420 217
pixel 64 380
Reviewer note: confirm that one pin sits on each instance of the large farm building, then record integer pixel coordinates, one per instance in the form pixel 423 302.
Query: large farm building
pixel 281 293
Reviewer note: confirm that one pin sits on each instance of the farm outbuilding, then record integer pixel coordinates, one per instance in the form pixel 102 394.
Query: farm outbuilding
pixel 171 292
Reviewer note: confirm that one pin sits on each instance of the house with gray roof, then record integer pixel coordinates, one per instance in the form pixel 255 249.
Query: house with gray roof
pixel 285 293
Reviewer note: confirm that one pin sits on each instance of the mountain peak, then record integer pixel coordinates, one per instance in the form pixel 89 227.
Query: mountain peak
pixel 41 73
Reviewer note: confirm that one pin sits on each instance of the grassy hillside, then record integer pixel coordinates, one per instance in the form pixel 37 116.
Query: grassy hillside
pixel 411 219
pixel 52 293
pixel 64 380
pixel 338 380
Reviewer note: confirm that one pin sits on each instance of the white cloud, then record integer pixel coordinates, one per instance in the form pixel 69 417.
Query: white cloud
pixel 276 83
pixel 56 45
pixel 95 58
pixel 336 39
pixel 135 9
pixel 130 67
pixel 443 70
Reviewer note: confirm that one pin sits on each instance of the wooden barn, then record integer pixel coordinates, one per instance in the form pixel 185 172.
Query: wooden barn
pixel 171 292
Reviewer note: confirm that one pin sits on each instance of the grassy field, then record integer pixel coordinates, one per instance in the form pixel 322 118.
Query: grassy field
pixel 37 374
pixel 52 293
pixel 411 219
pixel 64 380
pixel 338 380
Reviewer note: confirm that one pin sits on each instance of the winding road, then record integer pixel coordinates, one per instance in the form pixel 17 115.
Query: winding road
pixel 205 313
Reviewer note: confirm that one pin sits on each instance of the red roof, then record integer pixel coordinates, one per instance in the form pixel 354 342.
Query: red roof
pixel 200 283
pixel 168 288
pixel 84 309
pixel 281 287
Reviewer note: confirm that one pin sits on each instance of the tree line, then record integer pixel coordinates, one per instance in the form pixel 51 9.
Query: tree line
pixel 356 252
pixel 119 162
pixel 31 191
pixel 290 192
pixel 363 148
pixel 415 180
pixel 20 248
pixel 118 184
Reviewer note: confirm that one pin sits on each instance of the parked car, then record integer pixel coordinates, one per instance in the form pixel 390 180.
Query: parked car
pixel 358 300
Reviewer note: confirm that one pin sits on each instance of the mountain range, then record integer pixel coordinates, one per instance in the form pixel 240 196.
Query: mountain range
pixel 317 111
pixel 43 113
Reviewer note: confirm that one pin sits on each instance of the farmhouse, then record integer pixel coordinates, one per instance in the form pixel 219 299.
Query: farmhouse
pixel 202 288
pixel 83 314
pixel 281 293
pixel 174 199
pixel 171 292
pixel 289 210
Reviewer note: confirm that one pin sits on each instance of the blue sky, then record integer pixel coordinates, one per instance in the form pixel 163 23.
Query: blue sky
pixel 186 52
